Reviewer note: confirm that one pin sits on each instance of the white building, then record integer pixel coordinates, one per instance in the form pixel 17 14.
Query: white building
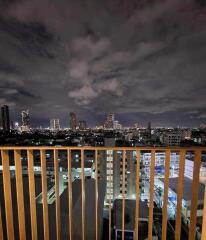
pixel 117 125
pixel 54 124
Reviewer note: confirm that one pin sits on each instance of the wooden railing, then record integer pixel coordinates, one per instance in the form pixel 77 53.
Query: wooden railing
pixel 9 214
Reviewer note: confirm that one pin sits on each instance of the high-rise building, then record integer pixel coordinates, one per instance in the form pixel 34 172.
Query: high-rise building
pixel 149 128
pixel 54 124
pixel 109 123
pixel 11 125
pixel 25 116
pixel 110 117
pixel 82 125
pixel 117 125
pixel 73 121
pixel 109 176
pixel 5 118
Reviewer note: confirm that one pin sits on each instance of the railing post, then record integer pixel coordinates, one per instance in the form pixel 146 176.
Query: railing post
pixel 7 194
pixel 83 194
pixel 96 195
pixel 57 202
pixel 110 195
pixel 123 193
pixel 69 156
pixel 138 157
pixel 32 197
pixel 20 195
pixel 165 203
pixel 180 194
pixel 195 190
pixel 44 195
pixel 151 204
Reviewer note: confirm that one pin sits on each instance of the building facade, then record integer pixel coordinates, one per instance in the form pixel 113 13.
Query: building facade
pixel 109 123
pixel 82 125
pixel 73 121
pixel 5 118
pixel 55 124
pixel 25 116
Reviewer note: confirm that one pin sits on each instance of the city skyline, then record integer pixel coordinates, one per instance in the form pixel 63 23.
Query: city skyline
pixel 108 120
pixel 144 62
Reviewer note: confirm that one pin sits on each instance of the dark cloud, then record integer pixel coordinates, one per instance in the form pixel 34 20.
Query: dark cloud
pixel 144 60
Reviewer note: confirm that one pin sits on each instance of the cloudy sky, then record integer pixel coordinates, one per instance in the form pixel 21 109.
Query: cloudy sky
pixel 144 60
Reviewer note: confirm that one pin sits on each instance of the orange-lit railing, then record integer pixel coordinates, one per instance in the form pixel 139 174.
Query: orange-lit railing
pixel 9 214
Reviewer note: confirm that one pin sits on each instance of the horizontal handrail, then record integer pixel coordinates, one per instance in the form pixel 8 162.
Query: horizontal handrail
pixel 141 148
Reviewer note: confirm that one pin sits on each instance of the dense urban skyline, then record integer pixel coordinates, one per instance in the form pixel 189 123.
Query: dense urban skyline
pixel 144 62
pixel 109 120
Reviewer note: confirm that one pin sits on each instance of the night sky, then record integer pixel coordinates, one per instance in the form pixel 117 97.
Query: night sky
pixel 144 60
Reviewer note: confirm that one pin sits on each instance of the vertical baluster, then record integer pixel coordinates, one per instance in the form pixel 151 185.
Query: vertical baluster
pixel 7 195
pixel 20 195
pixel 32 194
pixel 151 204
pixel 180 194
pixel 137 193
pixel 69 155
pixel 110 195
pixel 57 202
pixel 195 190
pixel 83 193
pixel 165 203
pixel 96 195
pixel 123 193
pixel 44 195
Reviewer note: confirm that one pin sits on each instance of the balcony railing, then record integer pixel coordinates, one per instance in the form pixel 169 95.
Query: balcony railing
pixel 12 162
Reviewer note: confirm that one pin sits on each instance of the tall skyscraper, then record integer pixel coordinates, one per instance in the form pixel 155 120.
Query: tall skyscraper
pixel 54 124
pixel 5 118
pixel 73 121
pixel 109 124
pixel 25 116
pixel 149 129
pixel 82 125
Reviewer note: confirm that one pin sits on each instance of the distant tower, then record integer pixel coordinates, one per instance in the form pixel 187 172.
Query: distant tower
pixel 149 129
pixel 5 118
pixel 73 121
pixel 12 125
pixel 54 124
pixel 109 121
pixel 82 125
pixel 25 116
